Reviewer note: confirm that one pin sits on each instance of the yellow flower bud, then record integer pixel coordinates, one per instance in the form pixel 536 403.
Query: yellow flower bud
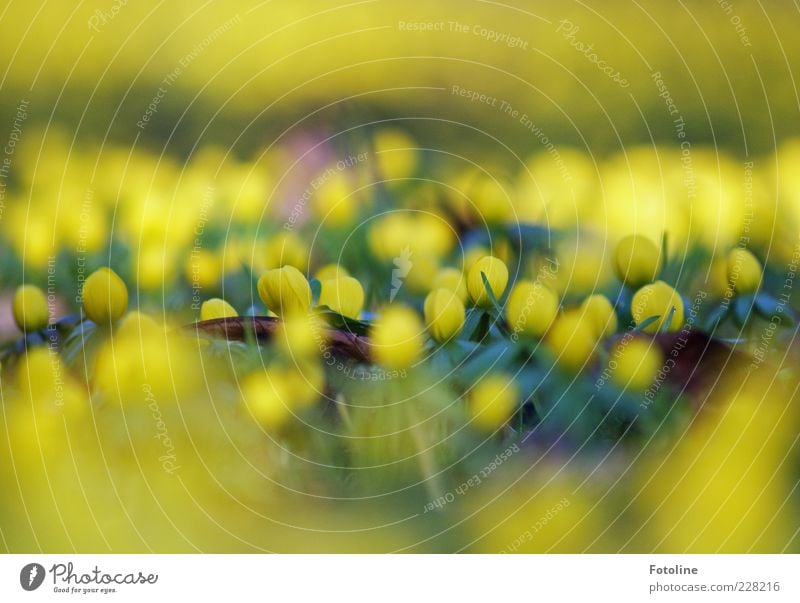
pixel 285 291
pixel 397 337
pixel 216 308
pixel 105 296
pixel 267 397
pixel 30 308
pixel 744 271
pixel 601 314
pixel 330 271
pixel 343 295
pixel 637 260
pixel 493 401
pixel 657 299
pixel 531 308
pixel 572 338
pixel 497 275
pixel 452 279
pixel 444 314
pixel 636 363
pixel 472 255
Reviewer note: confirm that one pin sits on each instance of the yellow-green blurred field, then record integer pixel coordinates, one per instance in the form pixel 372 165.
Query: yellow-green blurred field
pixel 379 276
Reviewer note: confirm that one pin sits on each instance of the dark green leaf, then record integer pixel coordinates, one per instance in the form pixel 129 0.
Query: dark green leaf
pixel 767 306
pixel 316 288
pixel 742 307
pixel 482 328
pixel 715 317
pixel 339 321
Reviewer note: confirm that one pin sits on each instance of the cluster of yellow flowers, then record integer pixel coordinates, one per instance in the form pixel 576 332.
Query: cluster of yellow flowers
pixel 532 311
pixel 394 347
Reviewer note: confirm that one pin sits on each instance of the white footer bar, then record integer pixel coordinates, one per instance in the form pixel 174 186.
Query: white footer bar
pixel 402 578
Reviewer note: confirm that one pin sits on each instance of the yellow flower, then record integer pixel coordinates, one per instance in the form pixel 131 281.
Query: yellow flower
pixel 285 291
pixel 601 314
pixel 744 271
pixel 392 237
pixel 216 308
pixel 423 268
pixel 203 269
pixel 396 154
pixel 397 337
pixel 572 339
pixel 716 279
pixel 452 279
pixel 637 260
pixel 30 308
pixel 491 200
pixel 304 383
pixel 496 274
pixel 154 266
pixel 144 353
pixel 579 265
pixel 285 249
pixel 657 299
pixel 301 336
pixel 330 271
pixel 444 314
pixel 335 200
pixel 105 296
pixel 531 308
pixel 635 363
pixel 136 322
pixel 472 255
pixel 492 401
pixel 343 295
pixel 435 234
pixel 268 398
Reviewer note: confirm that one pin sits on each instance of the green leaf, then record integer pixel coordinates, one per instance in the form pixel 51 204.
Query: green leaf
pixel 250 274
pixel 668 322
pixel 742 307
pixel 340 321
pixel 470 324
pixel 767 306
pixel 491 295
pixel 492 357
pixel 460 349
pixel 532 236
pixel 80 337
pixel 441 361
pixel 482 328
pixel 316 288
pixel 715 317
pixel 646 323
